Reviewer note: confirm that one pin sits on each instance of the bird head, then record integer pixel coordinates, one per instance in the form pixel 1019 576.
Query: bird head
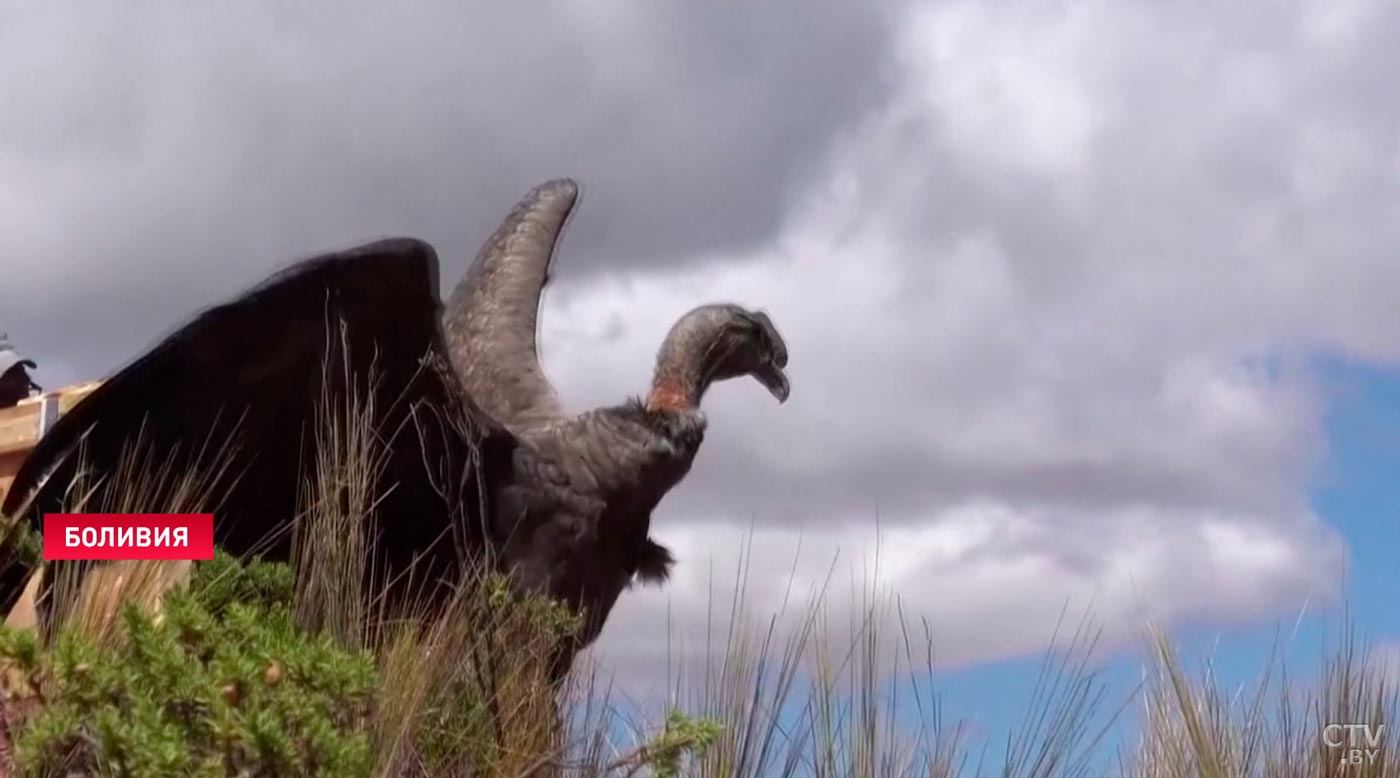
pixel 715 343
pixel 752 346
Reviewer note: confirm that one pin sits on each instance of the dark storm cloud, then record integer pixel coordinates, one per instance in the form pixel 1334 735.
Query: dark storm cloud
pixel 159 158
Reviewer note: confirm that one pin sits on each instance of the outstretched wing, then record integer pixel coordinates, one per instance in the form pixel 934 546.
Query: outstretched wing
pixel 491 316
pixel 240 391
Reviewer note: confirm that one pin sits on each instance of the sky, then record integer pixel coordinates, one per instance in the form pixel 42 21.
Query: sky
pixel 1089 303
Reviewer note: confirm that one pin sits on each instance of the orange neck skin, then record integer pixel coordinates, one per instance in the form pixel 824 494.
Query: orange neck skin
pixel 668 396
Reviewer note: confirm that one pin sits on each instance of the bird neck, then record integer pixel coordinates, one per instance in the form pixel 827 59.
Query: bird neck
pixel 674 389
pixel 682 375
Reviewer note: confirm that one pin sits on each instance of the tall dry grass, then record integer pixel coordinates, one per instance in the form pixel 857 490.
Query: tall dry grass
pixel 86 597
pixel 465 688
pixel 797 694
pixel 1277 725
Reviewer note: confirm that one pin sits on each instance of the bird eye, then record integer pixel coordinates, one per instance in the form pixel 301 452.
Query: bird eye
pixel 749 328
pixel 759 325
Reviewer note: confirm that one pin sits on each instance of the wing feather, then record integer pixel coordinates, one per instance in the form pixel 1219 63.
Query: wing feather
pixel 491 317
pixel 249 378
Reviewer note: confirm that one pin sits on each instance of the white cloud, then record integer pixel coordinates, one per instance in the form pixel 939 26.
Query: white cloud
pixel 990 581
pixel 1051 317
pixel 1027 465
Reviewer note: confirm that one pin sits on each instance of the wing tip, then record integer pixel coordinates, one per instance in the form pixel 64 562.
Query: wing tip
pixel 564 187
pixel 392 252
pixel 396 245
pixel 557 197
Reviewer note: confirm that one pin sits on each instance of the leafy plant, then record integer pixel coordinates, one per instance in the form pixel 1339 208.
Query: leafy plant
pixel 221 682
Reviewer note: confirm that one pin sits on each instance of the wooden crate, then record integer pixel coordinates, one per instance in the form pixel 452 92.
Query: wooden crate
pixel 19 428
pixel 19 431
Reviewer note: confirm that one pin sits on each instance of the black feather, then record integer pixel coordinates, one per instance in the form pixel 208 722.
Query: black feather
pixel 254 372
pixel 654 562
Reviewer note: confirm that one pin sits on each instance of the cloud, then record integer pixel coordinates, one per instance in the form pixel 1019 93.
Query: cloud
pixel 1069 279
pixel 1053 277
pixel 156 160
pixel 986 580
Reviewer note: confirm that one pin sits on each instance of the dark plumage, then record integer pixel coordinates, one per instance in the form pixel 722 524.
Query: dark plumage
pixel 250 375
pixel 607 468
pixel 477 451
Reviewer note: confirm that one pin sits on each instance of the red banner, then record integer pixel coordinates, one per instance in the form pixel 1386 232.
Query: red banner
pixel 108 536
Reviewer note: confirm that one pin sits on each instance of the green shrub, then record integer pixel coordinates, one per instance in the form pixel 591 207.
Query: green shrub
pixel 220 683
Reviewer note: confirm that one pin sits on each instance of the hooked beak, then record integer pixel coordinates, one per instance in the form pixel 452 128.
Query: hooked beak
pixel 776 381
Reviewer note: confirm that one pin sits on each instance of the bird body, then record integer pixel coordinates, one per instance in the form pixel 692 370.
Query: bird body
pixel 611 466
pixel 475 449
